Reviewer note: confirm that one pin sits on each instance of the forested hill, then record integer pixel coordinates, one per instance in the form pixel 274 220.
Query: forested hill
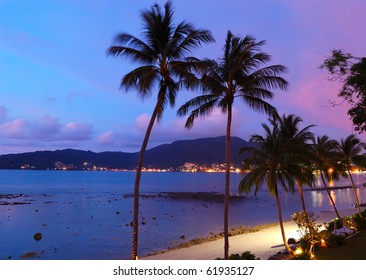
pixel 204 151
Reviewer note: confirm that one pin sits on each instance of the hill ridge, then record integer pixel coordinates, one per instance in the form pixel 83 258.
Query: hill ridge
pixel 201 151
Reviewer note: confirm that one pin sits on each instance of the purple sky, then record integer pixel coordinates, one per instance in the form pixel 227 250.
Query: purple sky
pixel 58 89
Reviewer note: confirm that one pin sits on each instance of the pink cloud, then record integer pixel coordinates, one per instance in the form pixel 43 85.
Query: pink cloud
pixel 142 121
pixel 46 129
pixel 107 138
pixel 14 129
pixel 76 131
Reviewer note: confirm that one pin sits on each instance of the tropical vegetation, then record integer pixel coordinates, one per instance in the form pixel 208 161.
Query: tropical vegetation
pixel 241 73
pixel 271 163
pixel 163 64
pixel 351 153
pixel 285 155
pixel 351 72
pixel 325 160
pixel 299 142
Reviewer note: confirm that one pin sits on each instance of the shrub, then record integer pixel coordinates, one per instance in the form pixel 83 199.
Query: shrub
pixel 247 255
pixel 330 226
pixel 308 229
pixel 360 223
pixel 336 240
pixel 306 255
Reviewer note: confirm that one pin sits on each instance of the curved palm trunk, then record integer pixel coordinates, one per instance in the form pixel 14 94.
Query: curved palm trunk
pixel 281 222
pixel 136 190
pixel 354 189
pixel 330 196
pixel 227 183
pixel 303 202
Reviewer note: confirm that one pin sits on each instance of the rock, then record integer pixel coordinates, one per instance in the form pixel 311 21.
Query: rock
pixel 291 241
pixel 37 236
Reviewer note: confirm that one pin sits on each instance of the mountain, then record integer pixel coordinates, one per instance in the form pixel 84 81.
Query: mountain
pixel 204 151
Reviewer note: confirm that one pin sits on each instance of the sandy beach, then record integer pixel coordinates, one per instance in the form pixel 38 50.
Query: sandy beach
pixel 264 243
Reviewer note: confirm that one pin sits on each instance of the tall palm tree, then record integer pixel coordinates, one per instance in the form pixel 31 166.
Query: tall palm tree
pixel 271 162
pixel 240 73
pixel 350 154
pixel 163 65
pixel 301 153
pixel 325 159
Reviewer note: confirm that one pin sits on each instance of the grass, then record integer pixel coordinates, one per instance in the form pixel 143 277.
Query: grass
pixel 354 249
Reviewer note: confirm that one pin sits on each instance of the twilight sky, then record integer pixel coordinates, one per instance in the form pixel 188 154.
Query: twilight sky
pixel 58 88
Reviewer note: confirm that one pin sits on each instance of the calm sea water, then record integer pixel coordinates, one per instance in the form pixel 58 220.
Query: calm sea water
pixel 84 215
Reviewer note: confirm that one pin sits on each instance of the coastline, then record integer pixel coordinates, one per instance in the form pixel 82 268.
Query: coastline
pixel 263 243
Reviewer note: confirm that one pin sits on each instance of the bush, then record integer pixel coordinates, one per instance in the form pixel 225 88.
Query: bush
pixel 360 223
pixel 306 255
pixel 330 226
pixel 336 240
pixel 247 255
pixel 308 230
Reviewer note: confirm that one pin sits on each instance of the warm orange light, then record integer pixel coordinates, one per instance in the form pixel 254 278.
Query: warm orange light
pixel 323 243
pixel 298 251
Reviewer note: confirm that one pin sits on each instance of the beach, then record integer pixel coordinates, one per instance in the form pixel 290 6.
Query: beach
pixel 87 215
pixel 263 243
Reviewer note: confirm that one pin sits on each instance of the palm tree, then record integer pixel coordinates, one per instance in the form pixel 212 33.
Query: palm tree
pixel 240 73
pixel 301 153
pixel 161 55
pixel 271 162
pixel 350 154
pixel 326 160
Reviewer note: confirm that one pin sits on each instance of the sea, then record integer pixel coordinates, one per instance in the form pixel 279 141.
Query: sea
pixel 86 215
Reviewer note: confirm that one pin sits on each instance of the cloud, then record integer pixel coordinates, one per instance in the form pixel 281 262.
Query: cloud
pixel 107 138
pixel 141 122
pixel 14 129
pixel 76 131
pixel 168 130
pixel 45 129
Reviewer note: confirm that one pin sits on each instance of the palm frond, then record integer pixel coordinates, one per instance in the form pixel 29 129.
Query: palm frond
pixel 253 178
pixel 259 105
pixel 142 79
pixel 133 55
pixel 201 111
pixel 196 102
pixel 186 39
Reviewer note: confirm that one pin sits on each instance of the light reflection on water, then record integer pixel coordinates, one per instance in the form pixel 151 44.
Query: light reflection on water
pixel 83 215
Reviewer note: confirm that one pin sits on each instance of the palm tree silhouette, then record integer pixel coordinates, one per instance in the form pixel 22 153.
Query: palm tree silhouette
pixel 325 159
pixel 161 54
pixel 240 73
pixel 298 139
pixel 272 162
pixel 350 154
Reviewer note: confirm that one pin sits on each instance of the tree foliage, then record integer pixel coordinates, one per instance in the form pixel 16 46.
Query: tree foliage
pixel 351 71
pixel 163 65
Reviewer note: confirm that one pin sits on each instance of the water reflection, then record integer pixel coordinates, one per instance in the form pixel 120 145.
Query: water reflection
pixel 334 197
pixel 317 199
